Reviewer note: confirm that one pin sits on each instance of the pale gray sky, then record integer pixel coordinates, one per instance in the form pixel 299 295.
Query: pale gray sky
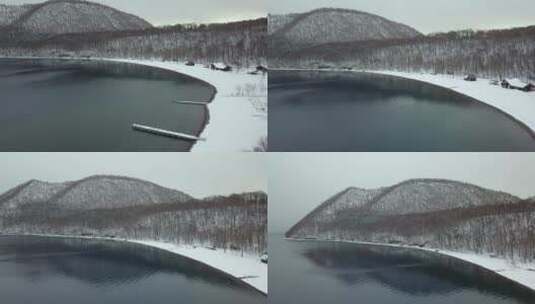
pixel 166 12
pixel 298 182
pixel 428 15
pixel 197 174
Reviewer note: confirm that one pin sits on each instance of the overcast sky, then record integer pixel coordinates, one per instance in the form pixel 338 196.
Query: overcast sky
pixel 299 182
pixel 197 174
pixel 429 15
pixel 166 12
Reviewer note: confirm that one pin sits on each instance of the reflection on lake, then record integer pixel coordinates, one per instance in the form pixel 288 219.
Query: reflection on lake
pixel 330 111
pixel 319 272
pixel 46 270
pixel 63 105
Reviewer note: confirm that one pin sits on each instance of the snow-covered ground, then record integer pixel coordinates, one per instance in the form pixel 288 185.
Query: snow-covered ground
pixel 238 113
pixel 523 274
pixel 518 104
pixel 247 268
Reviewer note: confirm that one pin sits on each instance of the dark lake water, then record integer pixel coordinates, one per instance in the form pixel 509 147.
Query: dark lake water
pixel 322 272
pixel 55 105
pixel 57 271
pixel 328 111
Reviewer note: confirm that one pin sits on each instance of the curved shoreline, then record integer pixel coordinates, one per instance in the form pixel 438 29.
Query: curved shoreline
pixel 527 123
pixel 226 113
pixel 524 125
pixel 203 123
pixel 183 252
pixel 471 258
pixel 206 107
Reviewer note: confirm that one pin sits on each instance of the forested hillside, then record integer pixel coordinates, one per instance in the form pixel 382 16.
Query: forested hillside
pixel 437 214
pixel 93 30
pixel 123 207
pixel 494 53
pixel 65 16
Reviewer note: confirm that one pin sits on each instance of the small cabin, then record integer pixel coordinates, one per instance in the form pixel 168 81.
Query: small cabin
pixel 220 67
pixel 517 84
pixel 470 77
pixel 262 69
pixel 264 258
pixel 190 63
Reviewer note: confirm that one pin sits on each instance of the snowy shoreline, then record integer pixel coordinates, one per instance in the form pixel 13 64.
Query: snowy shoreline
pixel 516 104
pixel 235 124
pixel 247 268
pixel 523 274
pixel 237 121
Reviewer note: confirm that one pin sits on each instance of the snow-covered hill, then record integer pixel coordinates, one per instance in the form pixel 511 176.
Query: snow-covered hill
pixel 95 192
pixel 117 206
pixel 67 16
pixel 408 197
pixel 426 195
pixel 429 213
pixel 329 25
pixel 10 13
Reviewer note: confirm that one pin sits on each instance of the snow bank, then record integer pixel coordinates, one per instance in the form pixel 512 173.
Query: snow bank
pixel 247 268
pixel 521 273
pixel 238 113
pixel 518 104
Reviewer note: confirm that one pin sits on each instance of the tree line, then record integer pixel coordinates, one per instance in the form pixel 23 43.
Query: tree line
pixel 236 43
pixel 236 222
pixel 505 230
pixel 498 53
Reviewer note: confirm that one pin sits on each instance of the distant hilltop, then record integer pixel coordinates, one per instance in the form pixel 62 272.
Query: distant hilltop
pixel 327 25
pixel 125 207
pixel 432 213
pixel 56 17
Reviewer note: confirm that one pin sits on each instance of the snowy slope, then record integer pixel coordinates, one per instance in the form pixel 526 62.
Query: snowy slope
pixel 277 22
pixel 69 16
pixel 329 25
pixel 30 193
pixel 10 13
pixel 412 196
pixel 425 195
pixel 90 193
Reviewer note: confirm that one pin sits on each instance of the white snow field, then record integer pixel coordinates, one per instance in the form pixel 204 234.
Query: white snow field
pixel 518 104
pixel 238 113
pixel 521 273
pixel 247 267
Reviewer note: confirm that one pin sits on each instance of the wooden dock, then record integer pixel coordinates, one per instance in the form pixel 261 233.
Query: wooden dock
pixel 198 103
pixel 166 133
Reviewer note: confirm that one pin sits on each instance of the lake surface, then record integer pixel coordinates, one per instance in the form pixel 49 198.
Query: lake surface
pixel 63 105
pixel 322 272
pixel 57 271
pixel 329 111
